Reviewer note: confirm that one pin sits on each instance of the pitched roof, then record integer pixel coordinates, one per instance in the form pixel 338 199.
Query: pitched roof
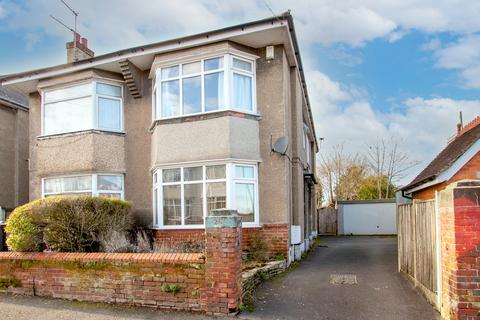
pixel 454 150
pixel 14 97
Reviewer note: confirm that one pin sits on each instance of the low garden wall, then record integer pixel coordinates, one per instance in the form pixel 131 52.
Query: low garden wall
pixel 210 282
pixel 159 280
pixel 252 278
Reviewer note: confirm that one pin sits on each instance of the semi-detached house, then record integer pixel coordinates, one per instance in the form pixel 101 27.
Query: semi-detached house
pixel 180 128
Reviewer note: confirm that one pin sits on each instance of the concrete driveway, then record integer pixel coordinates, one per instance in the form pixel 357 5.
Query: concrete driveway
pixel 307 292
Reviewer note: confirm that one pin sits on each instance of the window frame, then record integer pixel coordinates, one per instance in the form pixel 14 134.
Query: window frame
pixel 228 72
pixel 94 191
pixel 94 97
pixel 230 181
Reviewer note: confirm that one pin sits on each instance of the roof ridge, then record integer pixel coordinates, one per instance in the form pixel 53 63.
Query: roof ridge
pixel 472 124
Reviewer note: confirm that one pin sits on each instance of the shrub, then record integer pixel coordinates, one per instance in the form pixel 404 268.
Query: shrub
pixel 74 224
pixel 77 224
pixel 258 248
pixel 24 228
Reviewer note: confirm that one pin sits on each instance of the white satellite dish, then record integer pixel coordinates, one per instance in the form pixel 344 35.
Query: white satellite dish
pixel 281 145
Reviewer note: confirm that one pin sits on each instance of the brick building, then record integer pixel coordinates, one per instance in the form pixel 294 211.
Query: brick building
pixel 439 232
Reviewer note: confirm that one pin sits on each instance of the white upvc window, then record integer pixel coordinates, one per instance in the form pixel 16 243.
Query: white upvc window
pixel 184 195
pixel 85 106
pixel 207 85
pixel 98 185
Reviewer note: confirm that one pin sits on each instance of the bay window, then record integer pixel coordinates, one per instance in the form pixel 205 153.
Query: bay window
pixel 92 105
pixel 99 185
pixel 207 85
pixel 184 196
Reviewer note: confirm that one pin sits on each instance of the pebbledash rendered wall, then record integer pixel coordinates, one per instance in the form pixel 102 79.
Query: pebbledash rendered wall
pixel 210 282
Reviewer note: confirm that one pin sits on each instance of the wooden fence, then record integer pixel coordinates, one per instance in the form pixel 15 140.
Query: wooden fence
pixel 327 221
pixel 417 249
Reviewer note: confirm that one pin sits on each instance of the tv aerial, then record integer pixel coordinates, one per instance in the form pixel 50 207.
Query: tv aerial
pixel 74 29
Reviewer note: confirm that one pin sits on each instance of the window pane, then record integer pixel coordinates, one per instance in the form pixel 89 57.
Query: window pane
pixel 193 194
pixel 76 194
pixel 244 172
pixel 192 95
pixel 216 172
pixel 171 205
pixel 171 72
pixel 245 201
pixel 216 196
pixel 241 64
pixel 109 113
pixel 242 92
pixel 190 68
pixel 68 184
pixel 68 116
pixel 171 175
pixel 213 64
pixel 155 206
pixel 214 91
pixel 109 90
pixel 69 93
pixel 170 98
pixel 109 182
pixel 110 195
pixel 193 174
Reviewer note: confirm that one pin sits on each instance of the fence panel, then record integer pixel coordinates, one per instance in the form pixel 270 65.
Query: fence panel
pixel 327 221
pixel 425 262
pixel 406 238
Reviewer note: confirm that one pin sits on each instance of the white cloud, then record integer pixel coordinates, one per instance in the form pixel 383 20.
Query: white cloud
pixel 464 56
pixel 424 125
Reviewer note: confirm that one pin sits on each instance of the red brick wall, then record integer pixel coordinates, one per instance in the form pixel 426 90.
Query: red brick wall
pixel 134 279
pixel 223 273
pixel 469 170
pixel 460 218
pixel 276 236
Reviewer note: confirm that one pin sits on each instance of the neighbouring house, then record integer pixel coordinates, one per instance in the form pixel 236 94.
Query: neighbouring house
pixel 13 153
pixel 439 229
pixel 182 127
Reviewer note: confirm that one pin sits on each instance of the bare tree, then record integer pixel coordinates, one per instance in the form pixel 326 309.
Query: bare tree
pixel 386 160
pixel 340 174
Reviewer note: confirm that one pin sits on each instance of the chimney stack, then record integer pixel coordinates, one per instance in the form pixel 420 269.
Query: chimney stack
pixel 460 123
pixel 79 50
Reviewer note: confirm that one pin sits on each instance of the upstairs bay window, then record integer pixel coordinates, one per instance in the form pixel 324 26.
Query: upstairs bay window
pixel 93 105
pixel 218 83
pixel 184 196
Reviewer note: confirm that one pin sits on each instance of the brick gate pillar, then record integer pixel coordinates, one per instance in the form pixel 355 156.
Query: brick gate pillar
pixel 460 210
pixel 223 273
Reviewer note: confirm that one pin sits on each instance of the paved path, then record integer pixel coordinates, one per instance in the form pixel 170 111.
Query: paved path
pixel 381 292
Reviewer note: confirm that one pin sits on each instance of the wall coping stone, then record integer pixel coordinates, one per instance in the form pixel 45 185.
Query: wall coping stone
pixel 223 218
pixel 106 257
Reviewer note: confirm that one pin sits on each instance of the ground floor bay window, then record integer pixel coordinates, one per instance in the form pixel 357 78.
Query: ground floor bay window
pixel 97 185
pixel 184 195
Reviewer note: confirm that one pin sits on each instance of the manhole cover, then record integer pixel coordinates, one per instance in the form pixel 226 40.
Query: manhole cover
pixel 343 279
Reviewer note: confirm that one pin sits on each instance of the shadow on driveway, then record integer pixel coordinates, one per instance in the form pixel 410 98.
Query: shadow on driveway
pixel 307 292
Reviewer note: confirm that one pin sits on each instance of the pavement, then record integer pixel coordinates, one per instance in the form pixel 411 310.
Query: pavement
pixel 37 308
pixel 306 292
pixel 303 292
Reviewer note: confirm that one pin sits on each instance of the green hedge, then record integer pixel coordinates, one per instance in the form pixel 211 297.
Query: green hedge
pixel 66 224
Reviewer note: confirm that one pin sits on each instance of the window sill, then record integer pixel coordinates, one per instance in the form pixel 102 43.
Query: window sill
pixel 78 133
pixel 207 116
pixel 196 227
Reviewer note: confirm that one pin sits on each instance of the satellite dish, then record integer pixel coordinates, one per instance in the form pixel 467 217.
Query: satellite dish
pixel 281 145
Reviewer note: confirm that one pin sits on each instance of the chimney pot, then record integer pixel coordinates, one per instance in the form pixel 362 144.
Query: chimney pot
pixel 77 37
pixel 85 42
pixel 459 128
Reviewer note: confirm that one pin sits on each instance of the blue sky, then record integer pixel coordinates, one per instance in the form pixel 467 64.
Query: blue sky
pixel 399 68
